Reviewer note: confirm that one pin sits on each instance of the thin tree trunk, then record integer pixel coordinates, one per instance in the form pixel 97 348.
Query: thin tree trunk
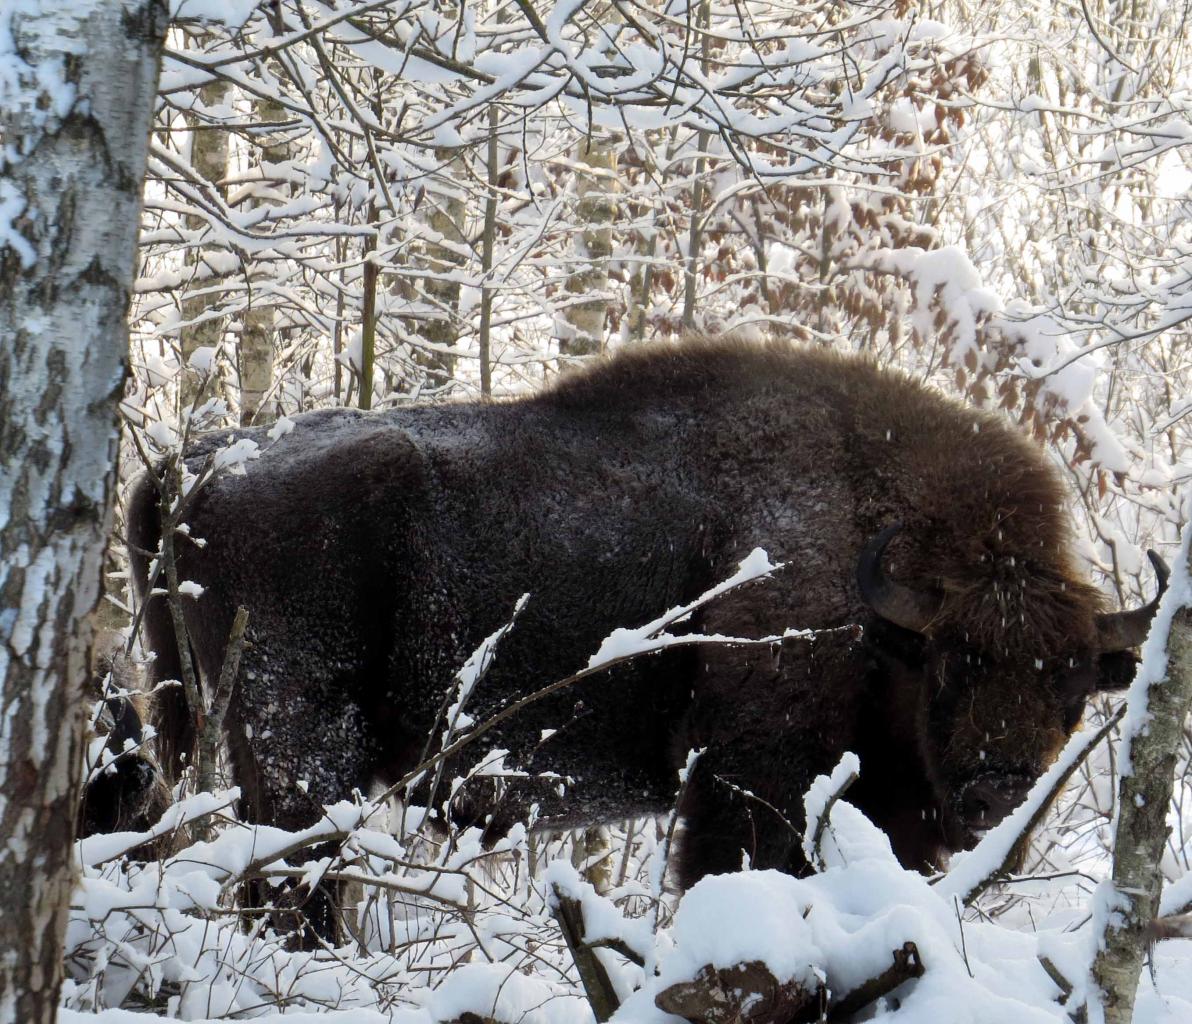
pixel 1150 750
pixel 695 234
pixel 337 332
pixel 443 258
pixel 592 856
pixel 641 286
pixel 368 315
pixel 488 247
pixel 257 338
pixel 76 133
pixel 580 324
pixel 209 159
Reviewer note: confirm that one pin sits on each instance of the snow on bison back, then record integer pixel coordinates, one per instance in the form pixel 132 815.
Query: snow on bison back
pixel 374 551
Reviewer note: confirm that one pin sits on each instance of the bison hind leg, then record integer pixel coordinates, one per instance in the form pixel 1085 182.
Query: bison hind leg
pixel 129 796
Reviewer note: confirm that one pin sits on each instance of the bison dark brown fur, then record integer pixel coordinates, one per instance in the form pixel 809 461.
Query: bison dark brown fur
pixel 125 791
pixel 374 551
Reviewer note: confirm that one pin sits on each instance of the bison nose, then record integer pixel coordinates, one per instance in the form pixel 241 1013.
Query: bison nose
pixel 987 800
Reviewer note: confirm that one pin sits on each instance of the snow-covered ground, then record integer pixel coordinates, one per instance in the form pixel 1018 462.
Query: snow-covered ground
pixel 836 929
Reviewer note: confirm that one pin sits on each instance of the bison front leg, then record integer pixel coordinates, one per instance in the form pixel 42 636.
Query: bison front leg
pixel 727 825
pixel 297 743
pixel 770 719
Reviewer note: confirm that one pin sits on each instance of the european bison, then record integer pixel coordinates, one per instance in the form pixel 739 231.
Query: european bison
pixel 374 551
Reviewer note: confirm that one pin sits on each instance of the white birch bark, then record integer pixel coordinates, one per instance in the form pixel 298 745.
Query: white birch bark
pixel 1152 733
pixel 76 96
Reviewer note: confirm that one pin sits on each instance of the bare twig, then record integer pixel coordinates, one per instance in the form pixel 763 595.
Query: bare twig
pixel 1053 972
pixel 213 721
pixel 621 948
pixel 1078 1014
pixel 906 967
pixel 825 816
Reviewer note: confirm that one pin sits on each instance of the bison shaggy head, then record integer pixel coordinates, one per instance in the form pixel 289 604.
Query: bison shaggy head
pixel 999 675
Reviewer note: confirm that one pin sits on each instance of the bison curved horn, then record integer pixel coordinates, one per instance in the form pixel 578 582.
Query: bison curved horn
pixel 894 602
pixel 1120 631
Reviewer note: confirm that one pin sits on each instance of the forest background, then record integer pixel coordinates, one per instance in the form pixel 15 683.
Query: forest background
pixel 395 202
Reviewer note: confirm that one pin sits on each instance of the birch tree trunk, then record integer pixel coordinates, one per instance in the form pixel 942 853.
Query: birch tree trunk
pixel 1148 758
pixel 75 108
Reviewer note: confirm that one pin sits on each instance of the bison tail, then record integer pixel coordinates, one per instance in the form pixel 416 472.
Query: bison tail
pixel 172 718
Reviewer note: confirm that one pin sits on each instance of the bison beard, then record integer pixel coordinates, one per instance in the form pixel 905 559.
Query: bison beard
pixel 374 551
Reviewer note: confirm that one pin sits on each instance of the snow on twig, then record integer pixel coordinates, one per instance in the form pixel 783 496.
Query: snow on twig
pixel 99 849
pixel 818 803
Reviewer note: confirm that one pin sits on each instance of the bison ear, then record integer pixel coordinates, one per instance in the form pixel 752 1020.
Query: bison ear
pixel 1115 670
pixel 1122 630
